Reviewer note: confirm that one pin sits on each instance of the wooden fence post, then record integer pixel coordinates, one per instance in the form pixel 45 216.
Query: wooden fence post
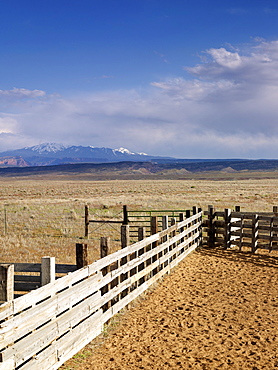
pixel 87 222
pixel 141 236
pixel 211 227
pixel 255 226
pixel 125 239
pixel 181 218
pixel 141 233
pixel 104 251
pixel 81 255
pixel 165 223
pixel 274 224
pixel 200 240
pixel 154 225
pixel 227 228
pixel 154 228
pixel 6 282
pixel 125 215
pixel 47 270
pixel 173 246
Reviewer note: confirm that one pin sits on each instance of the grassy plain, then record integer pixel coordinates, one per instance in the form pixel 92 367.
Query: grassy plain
pixel 43 216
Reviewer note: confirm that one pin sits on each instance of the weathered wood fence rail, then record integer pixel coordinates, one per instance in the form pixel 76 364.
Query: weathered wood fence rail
pixel 242 229
pixel 20 278
pixel 46 327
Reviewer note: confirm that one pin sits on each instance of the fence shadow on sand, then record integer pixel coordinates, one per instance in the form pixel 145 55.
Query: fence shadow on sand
pixel 259 259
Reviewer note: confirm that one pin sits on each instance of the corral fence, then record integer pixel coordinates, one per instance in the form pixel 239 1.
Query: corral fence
pixel 135 219
pixel 46 327
pixel 249 230
pixel 17 279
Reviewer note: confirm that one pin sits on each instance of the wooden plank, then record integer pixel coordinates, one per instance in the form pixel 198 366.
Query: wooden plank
pixel 127 283
pixel 44 360
pixel 6 309
pixel 6 282
pixel 7 365
pixel 42 293
pixel 135 262
pixel 36 267
pixel 25 286
pixel 29 320
pixel 28 278
pixel 79 337
pixel 27 267
pixel 64 269
pixel 28 346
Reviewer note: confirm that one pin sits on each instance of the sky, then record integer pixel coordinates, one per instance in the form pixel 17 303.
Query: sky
pixel 179 78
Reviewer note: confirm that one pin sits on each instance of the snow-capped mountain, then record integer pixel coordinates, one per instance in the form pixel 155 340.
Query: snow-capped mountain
pixel 47 148
pixel 53 153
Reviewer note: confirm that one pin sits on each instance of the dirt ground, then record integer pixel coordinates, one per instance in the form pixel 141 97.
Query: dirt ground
pixel 217 310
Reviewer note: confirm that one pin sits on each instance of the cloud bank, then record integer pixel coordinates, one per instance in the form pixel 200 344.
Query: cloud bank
pixel 226 106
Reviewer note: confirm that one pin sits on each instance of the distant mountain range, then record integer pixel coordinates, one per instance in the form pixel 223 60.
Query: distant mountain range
pixel 50 158
pixel 56 154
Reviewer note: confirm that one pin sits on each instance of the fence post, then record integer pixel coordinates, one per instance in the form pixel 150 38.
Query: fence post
pixel 154 225
pixel 104 251
pixel 81 255
pixel 165 222
pixel 6 282
pixel 181 218
pixel 211 228
pixel 274 224
pixel 154 228
pixel 237 208
pixel 87 222
pixel 227 230
pixel 200 230
pixel 255 226
pixel 142 266
pixel 141 233
pixel 47 270
pixel 125 239
pixel 173 246
pixel 125 215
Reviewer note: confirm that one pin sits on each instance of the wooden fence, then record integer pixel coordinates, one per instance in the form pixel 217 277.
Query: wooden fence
pixel 46 327
pixel 241 229
pixel 17 279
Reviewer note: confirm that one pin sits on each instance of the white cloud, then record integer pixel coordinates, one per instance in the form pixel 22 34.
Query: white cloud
pixel 8 125
pixel 19 93
pixel 225 58
pixel 228 108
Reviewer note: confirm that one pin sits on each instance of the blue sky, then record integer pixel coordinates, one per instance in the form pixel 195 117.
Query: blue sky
pixel 180 78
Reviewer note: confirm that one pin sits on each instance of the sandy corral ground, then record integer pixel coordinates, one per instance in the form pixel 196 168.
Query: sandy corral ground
pixel 217 310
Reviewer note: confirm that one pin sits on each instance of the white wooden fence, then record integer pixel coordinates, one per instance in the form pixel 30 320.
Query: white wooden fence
pixel 46 327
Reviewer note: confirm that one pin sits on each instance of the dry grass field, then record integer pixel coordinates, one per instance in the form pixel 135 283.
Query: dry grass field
pixel 43 216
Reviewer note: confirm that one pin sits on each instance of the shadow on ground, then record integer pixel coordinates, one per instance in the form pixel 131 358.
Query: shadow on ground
pixel 262 258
